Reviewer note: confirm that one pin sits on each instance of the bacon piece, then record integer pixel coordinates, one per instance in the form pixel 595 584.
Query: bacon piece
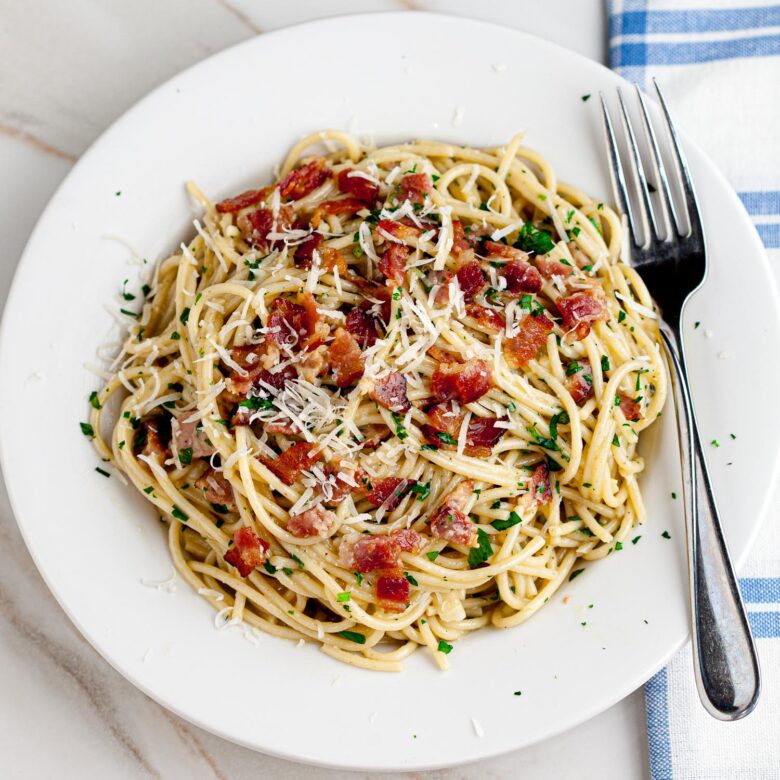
pixel 289 465
pixel 312 522
pixel 296 323
pixel 248 551
pixel 285 427
pixel 471 280
pixel 482 435
pixel 490 319
pixel 156 436
pixel 444 427
pixel 240 386
pixel 242 201
pixel 187 435
pixel 389 492
pixel 442 355
pixel 521 278
pixel 304 252
pixel 414 187
pixel 532 335
pixel 494 249
pixel 392 593
pixel 345 358
pixel 632 410
pixel 300 182
pixel 580 309
pixel 392 263
pixel 366 553
pixel 539 485
pixel 362 326
pixel 361 188
pixel 465 382
pixel 549 267
pixel 460 495
pixel 390 392
pixel 332 259
pixel 314 364
pixel 462 243
pixel 375 291
pixel 375 435
pixel 336 489
pixel 342 206
pixel 400 230
pixel 217 488
pixel 579 382
pixel 256 225
pixel 453 526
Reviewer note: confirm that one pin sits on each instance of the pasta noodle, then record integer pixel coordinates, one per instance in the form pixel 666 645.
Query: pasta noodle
pixel 392 398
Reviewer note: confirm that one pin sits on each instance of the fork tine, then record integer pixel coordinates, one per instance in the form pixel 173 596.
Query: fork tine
pixel 616 171
pixel 692 211
pixel 668 211
pixel 637 174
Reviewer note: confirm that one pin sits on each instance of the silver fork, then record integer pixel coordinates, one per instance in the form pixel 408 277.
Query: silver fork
pixel 668 249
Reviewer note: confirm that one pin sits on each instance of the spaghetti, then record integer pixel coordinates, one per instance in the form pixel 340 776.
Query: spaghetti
pixel 391 398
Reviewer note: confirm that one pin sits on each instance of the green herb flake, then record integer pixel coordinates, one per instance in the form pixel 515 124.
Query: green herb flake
pixel 585 98
pixel 148 489
pixel 269 567
pixel 220 509
pixel 185 315
pixel 517 693
pixel 666 535
pixel 615 441
pixel 618 546
pixel 433 555
pixel 604 363
pixel 400 431
pixel 621 315
pixel 411 579
pixel 502 525
pixel 422 490
pixel 185 456
pixel 561 418
pixel 87 430
pixel 447 438
pixel 344 596
pixel 636 539
pixel 444 647
pixel 353 636
pixel 733 436
pixel 479 554
pixel 178 514
pixel 715 443
pixel 101 472
pixel 531 239
pixel 575 573
pixel 297 560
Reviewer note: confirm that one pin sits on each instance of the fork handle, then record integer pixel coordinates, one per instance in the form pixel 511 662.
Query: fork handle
pixel 724 655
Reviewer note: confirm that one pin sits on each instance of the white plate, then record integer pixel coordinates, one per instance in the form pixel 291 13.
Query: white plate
pixel 225 123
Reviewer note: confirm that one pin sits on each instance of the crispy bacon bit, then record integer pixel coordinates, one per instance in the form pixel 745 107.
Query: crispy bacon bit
pixel 300 182
pixel 375 291
pixel 521 278
pixel 539 485
pixel 155 435
pixel 286 427
pixel 256 225
pixel 470 279
pixel 392 264
pixel 377 553
pixel 239 386
pixel 465 382
pixel 400 230
pixel 247 552
pixel 580 309
pixel 490 319
pixel 242 201
pixel 459 497
pixel 296 323
pixel 461 243
pixel 342 206
pixel 336 489
pixel 332 258
pixel 632 409
pixel 362 326
pixel 453 526
pixel 529 340
pixel 579 382
pixel 217 488
pixel 289 465
pixel 304 252
pixel 314 364
pixel 312 522
pixel 375 435
pixel 392 593
pixel 390 392
pixel 444 427
pixel 187 435
pixel 549 267
pixel 482 435
pixel 494 249
pixel 345 358
pixel 414 187
pixel 389 492
pixel 442 355
pixel 358 186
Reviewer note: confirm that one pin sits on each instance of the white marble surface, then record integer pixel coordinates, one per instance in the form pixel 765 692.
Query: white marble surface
pixel 67 70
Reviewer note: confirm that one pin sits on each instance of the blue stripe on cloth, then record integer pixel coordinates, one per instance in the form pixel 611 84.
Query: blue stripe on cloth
pixel 657 714
pixel 691 52
pixel 770 235
pixel 760 590
pixel 697 21
pixel 761 202
pixel 765 625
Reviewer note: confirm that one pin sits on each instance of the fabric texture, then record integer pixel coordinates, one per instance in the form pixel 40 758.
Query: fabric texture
pixel 718 62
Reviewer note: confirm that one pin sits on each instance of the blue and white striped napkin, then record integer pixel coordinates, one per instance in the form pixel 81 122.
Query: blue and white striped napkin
pixel 708 54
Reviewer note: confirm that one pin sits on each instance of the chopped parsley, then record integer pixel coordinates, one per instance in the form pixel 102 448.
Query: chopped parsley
pixel 432 556
pixel 502 525
pixel 548 444
pixel 148 489
pixel 615 441
pixel 353 636
pixel 444 647
pixel 561 418
pixel 618 546
pixel 531 239
pixel 94 402
pixel 178 514
pixel 100 471
pixel 358 578
pixel 428 447
pixel 344 596
pixel 87 430
pixel 604 363
pixel 479 554
pixel 220 509
pixel 175 335
pixel 297 560
pixel 666 535
pixel 715 443
pixel 412 580
pixel 636 539
pixel 422 490
pixel 575 573
pixel 585 98
pixel 185 456
pixel 185 315
pixel 269 567
pixel 400 431
pixel 128 313
pixel 447 438
pixel 254 402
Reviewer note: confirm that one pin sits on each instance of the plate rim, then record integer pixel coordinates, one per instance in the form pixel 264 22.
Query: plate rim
pixel 585 713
